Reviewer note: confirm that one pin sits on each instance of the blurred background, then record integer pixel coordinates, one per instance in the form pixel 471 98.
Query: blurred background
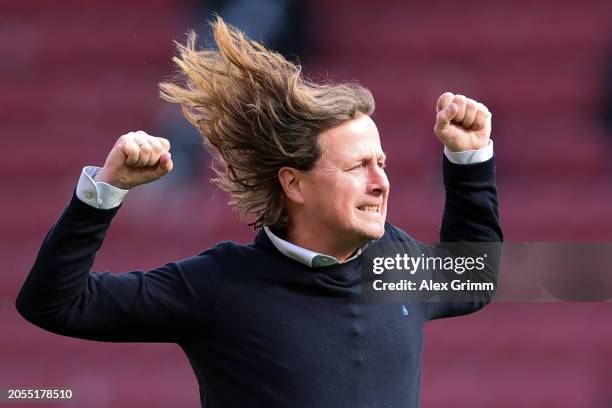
pixel 75 75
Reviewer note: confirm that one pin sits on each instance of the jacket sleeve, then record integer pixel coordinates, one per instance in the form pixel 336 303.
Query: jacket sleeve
pixel 471 215
pixel 62 295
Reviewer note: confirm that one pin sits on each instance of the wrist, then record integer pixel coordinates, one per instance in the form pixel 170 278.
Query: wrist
pixel 104 177
pixel 458 148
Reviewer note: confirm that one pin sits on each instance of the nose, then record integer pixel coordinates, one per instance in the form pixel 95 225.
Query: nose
pixel 378 183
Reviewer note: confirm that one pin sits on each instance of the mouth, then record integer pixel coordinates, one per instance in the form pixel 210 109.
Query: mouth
pixel 370 209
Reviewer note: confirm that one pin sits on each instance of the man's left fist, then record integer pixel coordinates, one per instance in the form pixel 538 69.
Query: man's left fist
pixel 462 123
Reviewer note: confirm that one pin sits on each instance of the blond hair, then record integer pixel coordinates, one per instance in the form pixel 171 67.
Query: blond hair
pixel 256 113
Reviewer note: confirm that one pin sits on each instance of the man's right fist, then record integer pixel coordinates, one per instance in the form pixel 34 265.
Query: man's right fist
pixel 136 158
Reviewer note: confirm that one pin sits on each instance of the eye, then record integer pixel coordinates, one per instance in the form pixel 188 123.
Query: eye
pixel 382 165
pixel 357 167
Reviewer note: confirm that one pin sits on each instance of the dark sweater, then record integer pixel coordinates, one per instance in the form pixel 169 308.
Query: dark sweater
pixel 260 329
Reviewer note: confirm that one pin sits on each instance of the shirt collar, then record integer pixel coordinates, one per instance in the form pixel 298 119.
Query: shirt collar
pixel 303 255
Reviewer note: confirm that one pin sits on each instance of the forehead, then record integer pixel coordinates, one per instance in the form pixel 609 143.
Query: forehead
pixel 352 139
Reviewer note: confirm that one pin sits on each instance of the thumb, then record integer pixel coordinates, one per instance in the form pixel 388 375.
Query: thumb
pixel 445 116
pixel 165 164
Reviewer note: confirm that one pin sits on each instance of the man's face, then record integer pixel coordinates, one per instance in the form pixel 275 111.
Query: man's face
pixel 345 194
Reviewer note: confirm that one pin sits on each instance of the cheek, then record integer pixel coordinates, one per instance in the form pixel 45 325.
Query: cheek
pixel 322 198
pixel 335 196
pixel 349 195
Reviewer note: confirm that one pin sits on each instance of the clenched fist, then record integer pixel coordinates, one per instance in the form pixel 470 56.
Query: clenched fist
pixel 136 158
pixel 462 123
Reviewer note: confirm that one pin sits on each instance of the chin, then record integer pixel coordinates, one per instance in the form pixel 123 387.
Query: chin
pixel 372 233
pixel 369 227
pixel 377 235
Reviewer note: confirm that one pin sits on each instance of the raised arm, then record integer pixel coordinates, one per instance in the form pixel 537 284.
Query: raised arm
pixel 62 295
pixel 471 212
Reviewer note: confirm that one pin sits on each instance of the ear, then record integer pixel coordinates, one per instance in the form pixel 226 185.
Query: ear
pixel 291 180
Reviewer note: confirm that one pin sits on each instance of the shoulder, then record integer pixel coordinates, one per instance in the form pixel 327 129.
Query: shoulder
pixel 395 234
pixel 395 240
pixel 222 253
pixel 220 259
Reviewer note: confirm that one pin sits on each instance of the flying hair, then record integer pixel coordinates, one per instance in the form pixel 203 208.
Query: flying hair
pixel 256 113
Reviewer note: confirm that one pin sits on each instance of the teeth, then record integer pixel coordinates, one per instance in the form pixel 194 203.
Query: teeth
pixel 369 208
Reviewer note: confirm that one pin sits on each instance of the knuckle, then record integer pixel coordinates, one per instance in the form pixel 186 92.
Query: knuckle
pixel 445 99
pixel 483 108
pixel 460 99
pixel 156 144
pixel 131 150
pixel 125 138
pixel 150 139
pixel 164 142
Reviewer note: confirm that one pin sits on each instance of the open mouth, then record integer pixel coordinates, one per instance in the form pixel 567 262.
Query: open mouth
pixel 369 208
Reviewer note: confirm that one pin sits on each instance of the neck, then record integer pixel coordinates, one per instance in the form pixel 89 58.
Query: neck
pixel 323 242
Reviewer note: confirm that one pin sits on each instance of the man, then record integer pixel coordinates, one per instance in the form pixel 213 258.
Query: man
pixel 278 322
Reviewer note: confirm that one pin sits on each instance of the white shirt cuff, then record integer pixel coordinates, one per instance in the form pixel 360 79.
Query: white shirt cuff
pixel 470 156
pixel 98 194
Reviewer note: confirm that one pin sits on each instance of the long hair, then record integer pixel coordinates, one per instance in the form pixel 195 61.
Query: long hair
pixel 256 113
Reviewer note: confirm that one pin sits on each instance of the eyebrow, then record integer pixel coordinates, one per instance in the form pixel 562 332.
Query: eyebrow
pixel 381 156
